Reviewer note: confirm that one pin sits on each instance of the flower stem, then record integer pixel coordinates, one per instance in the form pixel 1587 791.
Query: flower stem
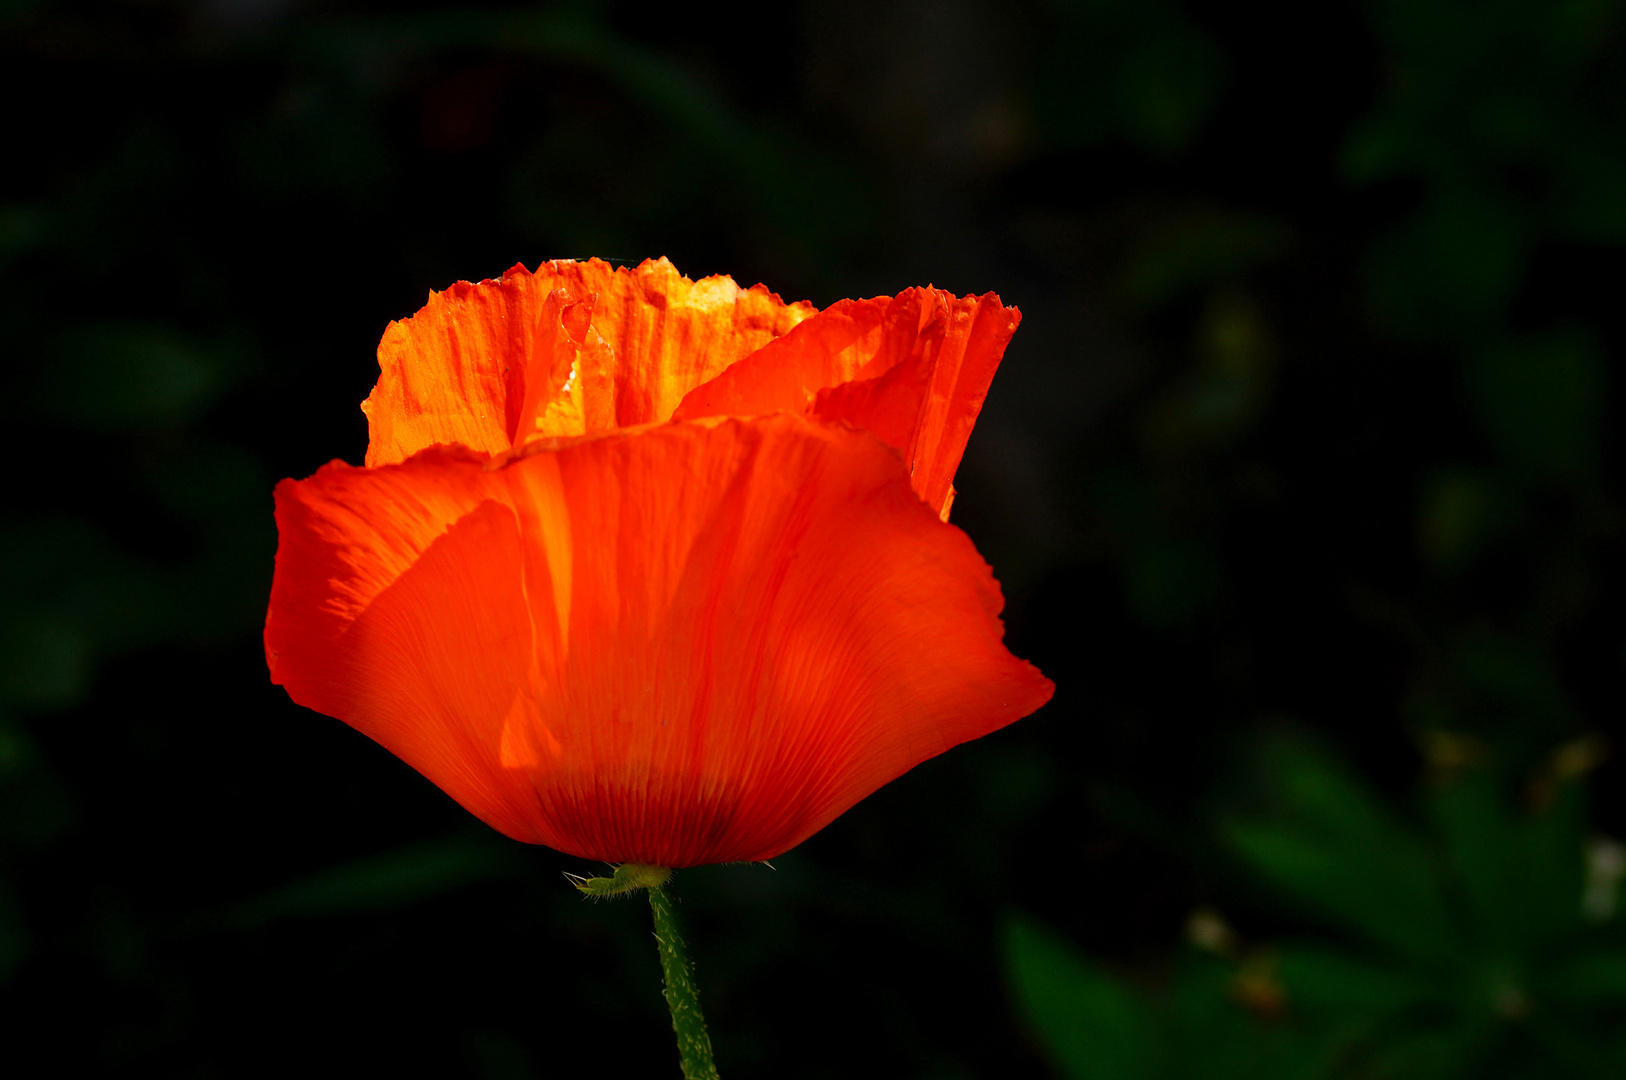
pixel 694 1045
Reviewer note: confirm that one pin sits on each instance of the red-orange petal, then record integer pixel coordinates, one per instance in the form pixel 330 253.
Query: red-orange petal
pixel 695 643
pixel 831 348
pixel 914 370
pixel 455 373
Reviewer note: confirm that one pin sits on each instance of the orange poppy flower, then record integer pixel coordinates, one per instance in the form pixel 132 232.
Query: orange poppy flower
pixel 655 570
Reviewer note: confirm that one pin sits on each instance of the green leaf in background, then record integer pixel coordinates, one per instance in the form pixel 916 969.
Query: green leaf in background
pixel 1592 978
pixel 1145 72
pixel 1518 876
pixel 116 377
pixel 1541 401
pixel 1479 847
pixel 1091 1025
pixel 1462 513
pixel 392 879
pixel 1209 1018
pixel 1198 250
pixel 1550 871
pixel 1226 1020
pixel 1451 269
pixel 1169 580
pixel 23 229
pixel 1515 685
pixel 1335 848
pixel 1517 984
pixel 68 597
pixel 1327 982
pixel 1437 1055
pixel 1588 207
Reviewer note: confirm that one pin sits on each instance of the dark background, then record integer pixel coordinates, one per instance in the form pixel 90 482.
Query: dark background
pixel 1308 435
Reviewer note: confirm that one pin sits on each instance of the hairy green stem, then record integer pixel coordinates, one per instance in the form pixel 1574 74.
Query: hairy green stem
pixel 694 1045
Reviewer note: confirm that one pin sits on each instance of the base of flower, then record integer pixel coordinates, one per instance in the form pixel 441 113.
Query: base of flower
pixel 628 877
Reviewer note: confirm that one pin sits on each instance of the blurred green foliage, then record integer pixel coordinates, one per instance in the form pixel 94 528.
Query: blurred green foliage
pixel 1483 943
pixel 1141 72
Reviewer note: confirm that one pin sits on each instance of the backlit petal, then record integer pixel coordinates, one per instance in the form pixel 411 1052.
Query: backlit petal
pixel 832 347
pixel 457 371
pixel 690 644
pixel 913 370
pixel 397 607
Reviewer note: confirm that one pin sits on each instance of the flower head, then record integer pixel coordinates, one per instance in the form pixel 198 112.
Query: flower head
pixel 655 570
